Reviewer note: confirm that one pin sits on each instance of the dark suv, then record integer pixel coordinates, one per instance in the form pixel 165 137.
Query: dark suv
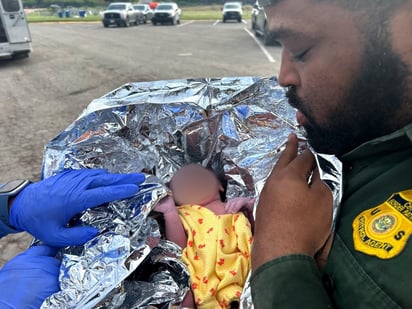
pixel 259 24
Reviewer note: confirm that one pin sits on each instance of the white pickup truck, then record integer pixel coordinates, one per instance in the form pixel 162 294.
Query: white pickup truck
pixel 120 14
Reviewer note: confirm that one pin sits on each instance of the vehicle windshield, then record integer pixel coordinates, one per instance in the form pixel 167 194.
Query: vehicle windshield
pixel 116 7
pixel 164 7
pixel 232 6
pixel 139 7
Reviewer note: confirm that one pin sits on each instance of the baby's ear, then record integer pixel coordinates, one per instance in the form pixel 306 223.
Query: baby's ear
pixel 221 189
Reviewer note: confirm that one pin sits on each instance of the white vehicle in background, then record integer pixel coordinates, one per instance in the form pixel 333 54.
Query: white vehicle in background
pixel 145 10
pixel 120 14
pixel 260 25
pixel 15 37
pixel 166 12
pixel 232 10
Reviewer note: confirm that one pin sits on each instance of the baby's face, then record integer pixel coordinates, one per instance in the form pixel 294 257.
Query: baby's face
pixel 193 184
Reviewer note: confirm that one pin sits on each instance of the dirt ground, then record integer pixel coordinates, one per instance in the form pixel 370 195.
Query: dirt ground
pixel 72 64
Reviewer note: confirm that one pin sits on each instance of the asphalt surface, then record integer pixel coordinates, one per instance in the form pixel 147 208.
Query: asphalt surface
pixel 74 63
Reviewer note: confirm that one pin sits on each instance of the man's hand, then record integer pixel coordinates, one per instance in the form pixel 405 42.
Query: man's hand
pixel 292 216
pixel 44 209
pixel 29 278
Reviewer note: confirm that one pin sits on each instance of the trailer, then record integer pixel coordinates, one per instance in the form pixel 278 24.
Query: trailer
pixel 15 37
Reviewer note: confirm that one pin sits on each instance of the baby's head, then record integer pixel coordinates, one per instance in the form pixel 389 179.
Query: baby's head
pixel 194 184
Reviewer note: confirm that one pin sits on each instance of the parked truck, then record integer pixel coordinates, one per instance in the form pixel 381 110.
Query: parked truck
pixel 15 37
pixel 120 14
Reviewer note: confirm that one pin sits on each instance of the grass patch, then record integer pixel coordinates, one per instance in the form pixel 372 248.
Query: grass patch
pixel 212 12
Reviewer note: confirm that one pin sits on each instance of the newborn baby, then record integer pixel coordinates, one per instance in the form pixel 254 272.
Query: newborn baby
pixel 215 236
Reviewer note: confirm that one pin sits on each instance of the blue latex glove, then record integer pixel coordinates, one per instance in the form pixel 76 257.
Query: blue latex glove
pixel 29 278
pixel 43 209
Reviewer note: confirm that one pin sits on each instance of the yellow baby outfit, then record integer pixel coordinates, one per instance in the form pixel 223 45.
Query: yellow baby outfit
pixel 217 254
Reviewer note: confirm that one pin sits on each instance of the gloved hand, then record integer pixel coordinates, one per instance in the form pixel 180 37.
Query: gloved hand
pixel 29 278
pixel 43 209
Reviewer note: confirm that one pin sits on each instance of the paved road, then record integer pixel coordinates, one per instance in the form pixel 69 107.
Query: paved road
pixel 73 63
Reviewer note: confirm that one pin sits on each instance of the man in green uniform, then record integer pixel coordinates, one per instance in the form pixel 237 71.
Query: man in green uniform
pixel 348 68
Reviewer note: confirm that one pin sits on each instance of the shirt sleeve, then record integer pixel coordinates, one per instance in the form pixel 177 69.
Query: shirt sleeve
pixel 292 281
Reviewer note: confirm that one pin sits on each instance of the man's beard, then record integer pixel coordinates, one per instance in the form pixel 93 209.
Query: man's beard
pixel 368 109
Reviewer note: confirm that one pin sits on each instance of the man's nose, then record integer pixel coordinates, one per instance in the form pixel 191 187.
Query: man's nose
pixel 288 73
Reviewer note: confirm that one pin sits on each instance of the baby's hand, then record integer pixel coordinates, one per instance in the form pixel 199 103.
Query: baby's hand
pixel 236 204
pixel 166 205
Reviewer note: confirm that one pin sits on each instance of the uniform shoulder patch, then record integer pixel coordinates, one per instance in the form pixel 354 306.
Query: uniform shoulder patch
pixel 384 230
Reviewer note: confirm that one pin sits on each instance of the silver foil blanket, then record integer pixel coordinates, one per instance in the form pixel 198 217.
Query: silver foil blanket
pixel 236 125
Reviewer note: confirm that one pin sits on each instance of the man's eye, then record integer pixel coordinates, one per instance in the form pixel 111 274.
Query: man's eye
pixel 301 56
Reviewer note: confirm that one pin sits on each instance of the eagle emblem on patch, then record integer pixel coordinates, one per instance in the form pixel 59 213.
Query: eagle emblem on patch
pixel 384 230
pixel 383 224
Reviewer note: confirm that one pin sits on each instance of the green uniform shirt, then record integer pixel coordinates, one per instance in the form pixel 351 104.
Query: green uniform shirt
pixel 370 262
